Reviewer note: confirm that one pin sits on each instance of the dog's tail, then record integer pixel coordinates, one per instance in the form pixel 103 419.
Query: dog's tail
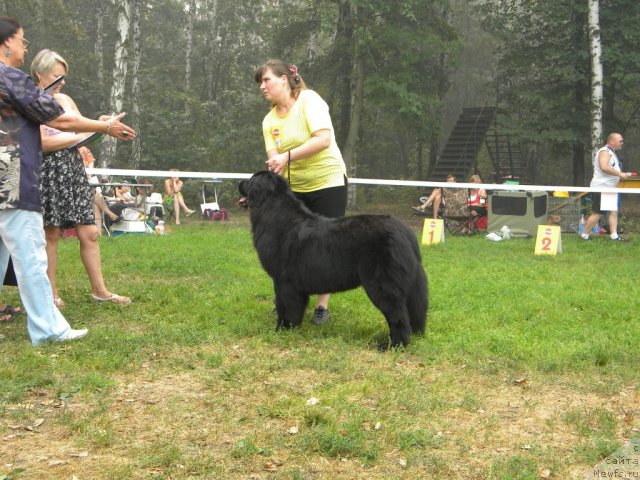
pixel 418 301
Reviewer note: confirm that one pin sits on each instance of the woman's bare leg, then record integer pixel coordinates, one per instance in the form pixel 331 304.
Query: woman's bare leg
pixel 184 205
pixel 90 255
pixel 176 208
pixel 323 300
pixel 437 200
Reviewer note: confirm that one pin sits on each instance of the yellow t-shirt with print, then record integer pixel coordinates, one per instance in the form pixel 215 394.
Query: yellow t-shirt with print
pixel 308 114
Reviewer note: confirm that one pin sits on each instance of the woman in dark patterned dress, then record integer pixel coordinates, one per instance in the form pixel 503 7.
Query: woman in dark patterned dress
pixel 67 199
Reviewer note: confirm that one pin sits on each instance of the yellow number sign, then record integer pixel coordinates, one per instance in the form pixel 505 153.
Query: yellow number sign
pixel 548 240
pixel 433 231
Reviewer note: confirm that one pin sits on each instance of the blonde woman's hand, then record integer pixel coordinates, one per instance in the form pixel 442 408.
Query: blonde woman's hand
pixel 117 129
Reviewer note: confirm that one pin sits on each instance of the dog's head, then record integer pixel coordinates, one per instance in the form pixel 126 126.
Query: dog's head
pixel 259 188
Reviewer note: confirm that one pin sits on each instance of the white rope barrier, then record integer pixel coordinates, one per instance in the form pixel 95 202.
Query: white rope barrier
pixel 360 181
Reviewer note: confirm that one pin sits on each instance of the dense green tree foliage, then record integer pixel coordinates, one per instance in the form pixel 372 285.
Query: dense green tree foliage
pixel 385 68
pixel 544 71
pixel 212 122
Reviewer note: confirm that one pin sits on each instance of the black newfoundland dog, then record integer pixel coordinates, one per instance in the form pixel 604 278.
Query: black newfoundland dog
pixel 306 254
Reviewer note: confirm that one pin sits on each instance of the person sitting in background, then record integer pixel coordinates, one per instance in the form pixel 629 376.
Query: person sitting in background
pixel 173 190
pixel 121 200
pixel 477 202
pixel 434 199
pixel 124 195
pixel 142 194
pixel 151 201
pixel 101 209
pixel 477 198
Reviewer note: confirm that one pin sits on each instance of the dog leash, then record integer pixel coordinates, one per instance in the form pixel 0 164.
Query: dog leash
pixel 289 167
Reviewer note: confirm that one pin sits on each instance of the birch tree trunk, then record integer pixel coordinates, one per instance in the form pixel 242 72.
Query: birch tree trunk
pixel 109 144
pixel 595 49
pixel 188 54
pixel 213 35
pixel 99 52
pixel 40 9
pixel 312 47
pixel 357 100
pixel 135 82
pixel 340 94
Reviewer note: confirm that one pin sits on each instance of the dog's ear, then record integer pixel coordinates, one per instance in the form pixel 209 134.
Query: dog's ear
pixel 260 187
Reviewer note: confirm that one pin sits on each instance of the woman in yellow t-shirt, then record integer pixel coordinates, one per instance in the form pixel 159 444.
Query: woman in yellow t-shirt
pixel 301 146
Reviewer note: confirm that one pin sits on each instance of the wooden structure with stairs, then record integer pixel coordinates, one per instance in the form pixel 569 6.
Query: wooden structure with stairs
pixel 475 127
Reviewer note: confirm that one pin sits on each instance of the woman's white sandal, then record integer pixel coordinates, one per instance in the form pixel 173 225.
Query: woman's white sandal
pixel 114 298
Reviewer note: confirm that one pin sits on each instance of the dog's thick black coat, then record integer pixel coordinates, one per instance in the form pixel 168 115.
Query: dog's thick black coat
pixel 306 254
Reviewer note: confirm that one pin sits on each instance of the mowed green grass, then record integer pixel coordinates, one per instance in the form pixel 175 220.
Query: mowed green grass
pixel 192 381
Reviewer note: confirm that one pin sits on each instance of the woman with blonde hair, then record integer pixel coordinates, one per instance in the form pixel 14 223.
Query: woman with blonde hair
pixel 67 199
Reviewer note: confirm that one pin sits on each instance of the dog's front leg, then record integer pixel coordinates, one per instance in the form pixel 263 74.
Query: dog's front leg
pixel 290 306
pixel 399 331
pixel 281 323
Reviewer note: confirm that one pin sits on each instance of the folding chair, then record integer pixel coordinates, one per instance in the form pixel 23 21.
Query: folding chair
pixel 210 205
pixel 153 206
pixel 168 206
pixel 457 214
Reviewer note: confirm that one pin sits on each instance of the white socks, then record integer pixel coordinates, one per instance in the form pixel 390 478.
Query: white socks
pixel 614 236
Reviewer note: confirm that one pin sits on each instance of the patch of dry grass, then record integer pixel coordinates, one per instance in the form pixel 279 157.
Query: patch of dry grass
pixel 192 382
pixel 202 423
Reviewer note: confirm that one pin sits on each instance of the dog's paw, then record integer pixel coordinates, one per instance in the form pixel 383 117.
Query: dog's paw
pixel 386 346
pixel 283 325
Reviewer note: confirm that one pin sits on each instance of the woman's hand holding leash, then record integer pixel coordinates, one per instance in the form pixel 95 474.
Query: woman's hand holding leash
pixel 277 163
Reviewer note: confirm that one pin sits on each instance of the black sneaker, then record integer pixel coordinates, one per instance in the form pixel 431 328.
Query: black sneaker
pixel 588 239
pixel 320 315
pixel 619 239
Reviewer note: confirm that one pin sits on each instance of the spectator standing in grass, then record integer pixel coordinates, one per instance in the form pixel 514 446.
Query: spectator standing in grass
pixel 606 173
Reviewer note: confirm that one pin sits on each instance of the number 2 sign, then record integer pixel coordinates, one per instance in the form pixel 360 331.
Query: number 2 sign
pixel 548 241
